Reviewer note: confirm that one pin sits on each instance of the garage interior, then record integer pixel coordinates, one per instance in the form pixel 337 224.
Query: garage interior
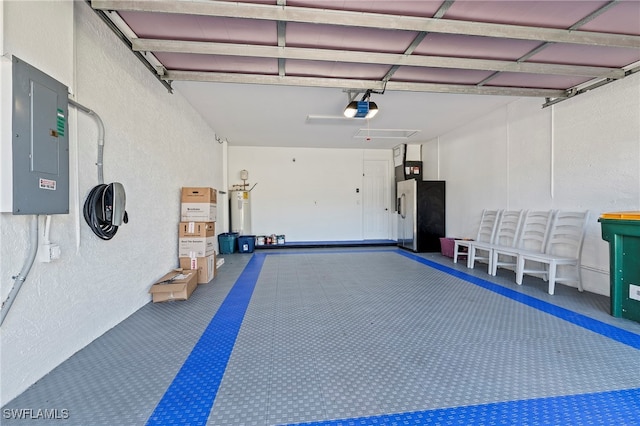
pixel 513 104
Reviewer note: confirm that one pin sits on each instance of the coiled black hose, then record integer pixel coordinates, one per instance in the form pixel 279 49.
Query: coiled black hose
pixel 93 213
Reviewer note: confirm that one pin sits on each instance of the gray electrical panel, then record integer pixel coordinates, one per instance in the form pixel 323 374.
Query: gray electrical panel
pixel 40 143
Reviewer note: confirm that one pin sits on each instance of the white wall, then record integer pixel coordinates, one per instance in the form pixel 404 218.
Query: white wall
pixel 307 194
pixel 581 154
pixel 155 144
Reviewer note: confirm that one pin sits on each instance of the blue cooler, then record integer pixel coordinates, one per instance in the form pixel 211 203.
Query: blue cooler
pixel 246 243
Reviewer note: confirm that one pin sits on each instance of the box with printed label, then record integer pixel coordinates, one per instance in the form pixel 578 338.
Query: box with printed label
pixel 176 285
pixel 197 229
pixel 196 246
pixel 206 267
pixel 196 239
pixel 199 204
pixel 192 194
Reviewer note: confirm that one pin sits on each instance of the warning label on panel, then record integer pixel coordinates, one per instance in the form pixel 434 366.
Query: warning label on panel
pixel 48 184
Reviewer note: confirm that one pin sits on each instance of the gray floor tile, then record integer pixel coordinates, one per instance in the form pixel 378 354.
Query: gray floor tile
pixel 342 334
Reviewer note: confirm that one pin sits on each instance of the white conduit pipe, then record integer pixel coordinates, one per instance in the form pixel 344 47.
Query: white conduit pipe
pixel 93 114
pixel 20 278
pixel 47 229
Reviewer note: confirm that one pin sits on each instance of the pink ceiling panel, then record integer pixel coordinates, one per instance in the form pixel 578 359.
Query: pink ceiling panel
pixel 271 2
pixel 536 81
pixel 439 75
pixel 201 28
pixel 335 70
pixel 348 38
pixel 587 55
pixel 216 63
pixel 549 14
pixel 453 45
pixel 410 8
pixel 623 18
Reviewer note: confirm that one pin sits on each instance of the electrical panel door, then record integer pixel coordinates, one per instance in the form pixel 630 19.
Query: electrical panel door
pixel 40 144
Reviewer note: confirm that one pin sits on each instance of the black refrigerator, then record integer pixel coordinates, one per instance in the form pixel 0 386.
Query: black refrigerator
pixel 421 214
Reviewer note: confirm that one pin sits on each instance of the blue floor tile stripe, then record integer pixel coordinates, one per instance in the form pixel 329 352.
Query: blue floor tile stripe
pixel 611 408
pixel 614 408
pixel 190 396
pixel 610 331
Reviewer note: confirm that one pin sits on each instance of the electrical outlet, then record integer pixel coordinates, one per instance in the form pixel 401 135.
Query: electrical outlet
pixel 55 252
pixel 48 252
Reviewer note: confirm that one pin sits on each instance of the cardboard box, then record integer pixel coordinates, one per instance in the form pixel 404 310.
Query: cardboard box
pixel 199 204
pixel 196 246
pixel 197 229
pixel 198 212
pixel 176 285
pixel 206 267
pixel 199 195
pixel 196 239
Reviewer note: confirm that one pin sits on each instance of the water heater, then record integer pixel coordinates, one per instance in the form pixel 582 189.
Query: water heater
pixel 240 205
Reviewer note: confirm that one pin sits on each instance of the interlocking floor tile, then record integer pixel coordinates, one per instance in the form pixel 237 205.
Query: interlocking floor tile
pixel 360 336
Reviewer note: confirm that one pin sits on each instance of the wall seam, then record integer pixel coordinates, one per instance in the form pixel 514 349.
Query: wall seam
pixel 552 154
pixel 508 156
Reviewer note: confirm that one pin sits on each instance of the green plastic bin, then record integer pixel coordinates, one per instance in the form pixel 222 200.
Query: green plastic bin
pixel 227 242
pixel 622 231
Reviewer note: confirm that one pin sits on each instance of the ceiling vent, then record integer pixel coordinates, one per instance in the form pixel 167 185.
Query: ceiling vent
pixel 331 119
pixel 385 133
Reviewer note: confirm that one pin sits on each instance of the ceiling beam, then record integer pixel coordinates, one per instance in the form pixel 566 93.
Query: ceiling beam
pixel 226 49
pixel 369 20
pixel 282 40
pixel 358 84
pixel 418 38
pixel 148 62
pixel 546 44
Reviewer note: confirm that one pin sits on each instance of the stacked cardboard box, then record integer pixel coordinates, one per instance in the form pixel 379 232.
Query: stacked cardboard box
pixel 196 239
pixel 196 246
pixel 205 266
pixel 199 205
pixel 197 233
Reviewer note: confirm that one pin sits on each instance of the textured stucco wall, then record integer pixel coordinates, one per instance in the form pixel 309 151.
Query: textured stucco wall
pixel 581 154
pixel 155 144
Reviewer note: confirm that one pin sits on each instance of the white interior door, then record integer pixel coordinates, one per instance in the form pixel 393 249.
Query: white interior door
pixel 375 200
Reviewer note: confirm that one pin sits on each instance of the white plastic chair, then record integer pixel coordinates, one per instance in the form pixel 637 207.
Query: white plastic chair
pixel 486 232
pixel 506 235
pixel 533 237
pixel 563 248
